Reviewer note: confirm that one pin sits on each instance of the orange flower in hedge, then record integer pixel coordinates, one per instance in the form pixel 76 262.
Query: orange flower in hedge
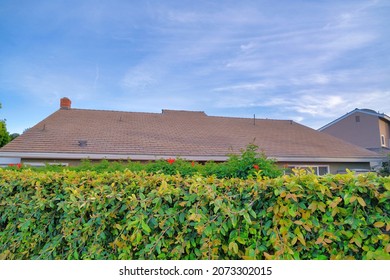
pixel 193 164
pixel 19 165
pixel 255 166
pixel 171 160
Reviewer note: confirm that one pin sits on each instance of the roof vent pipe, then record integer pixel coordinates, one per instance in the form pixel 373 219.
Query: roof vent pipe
pixel 65 103
pixel 82 143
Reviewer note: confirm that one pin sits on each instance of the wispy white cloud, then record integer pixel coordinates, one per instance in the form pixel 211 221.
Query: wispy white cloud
pixel 308 105
pixel 138 79
pixel 352 17
pixel 317 79
pixel 318 105
pixel 243 87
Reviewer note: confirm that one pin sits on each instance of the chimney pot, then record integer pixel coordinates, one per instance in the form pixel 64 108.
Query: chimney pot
pixel 65 103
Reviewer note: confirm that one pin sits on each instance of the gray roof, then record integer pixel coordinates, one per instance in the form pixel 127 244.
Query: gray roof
pixel 80 133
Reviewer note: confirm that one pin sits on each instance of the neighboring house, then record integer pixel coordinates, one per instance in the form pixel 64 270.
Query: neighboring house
pixel 69 135
pixel 363 127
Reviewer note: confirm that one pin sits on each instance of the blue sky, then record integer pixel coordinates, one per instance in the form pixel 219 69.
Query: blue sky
pixel 310 61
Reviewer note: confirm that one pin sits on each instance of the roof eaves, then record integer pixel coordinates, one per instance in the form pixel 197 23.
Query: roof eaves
pixel 94 156
pixel 329 159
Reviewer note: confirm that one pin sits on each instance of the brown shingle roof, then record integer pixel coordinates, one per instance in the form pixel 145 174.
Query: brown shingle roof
pixel 176 133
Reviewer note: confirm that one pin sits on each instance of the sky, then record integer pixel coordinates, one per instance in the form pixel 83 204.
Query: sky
pixel 302 60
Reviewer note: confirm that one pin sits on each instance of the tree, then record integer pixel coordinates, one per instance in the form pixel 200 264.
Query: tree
pixel 4 135
pixel 13 136
pixel 385 170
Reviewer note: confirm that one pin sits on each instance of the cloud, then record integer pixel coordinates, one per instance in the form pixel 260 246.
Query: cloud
pixel 346 42
pixel 247 47
pixel 316 79
pixel 243 87
pixel 318 105
pixel 138 79
pixel 352 17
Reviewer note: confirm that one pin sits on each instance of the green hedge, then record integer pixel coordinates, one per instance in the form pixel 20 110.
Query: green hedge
pixel 137 215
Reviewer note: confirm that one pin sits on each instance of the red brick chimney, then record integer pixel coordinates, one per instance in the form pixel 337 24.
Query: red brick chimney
pixel 65 103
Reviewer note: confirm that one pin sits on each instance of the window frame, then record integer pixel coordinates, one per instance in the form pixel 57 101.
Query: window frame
pixel 43 164
pixel 383 140
pixel 315 167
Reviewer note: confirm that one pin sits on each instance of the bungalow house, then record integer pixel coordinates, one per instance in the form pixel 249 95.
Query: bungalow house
pixel 69 135
pixel 363 127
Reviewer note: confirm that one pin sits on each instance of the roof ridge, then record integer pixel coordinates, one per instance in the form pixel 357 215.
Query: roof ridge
pixel 167 111
pixel 257 119
pixel 181 110
pixel 116 111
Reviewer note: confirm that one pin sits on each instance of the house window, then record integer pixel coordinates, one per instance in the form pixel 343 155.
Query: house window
pixel 315 169
pixel 322 170
pixel 383 141
pixel 43 164
pixel 357 118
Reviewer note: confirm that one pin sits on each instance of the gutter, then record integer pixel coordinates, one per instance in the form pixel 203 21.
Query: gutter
pixel 92 156
pixel 78 156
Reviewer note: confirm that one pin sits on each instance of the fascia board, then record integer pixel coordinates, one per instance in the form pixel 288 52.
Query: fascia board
pixel 328 159
pixel 337 120
pixel 106 156
pixel 79 156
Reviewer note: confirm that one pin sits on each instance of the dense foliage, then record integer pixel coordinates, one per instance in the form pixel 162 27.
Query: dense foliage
pixel 385 169
pixel 4 134
pixel 248 163
pixel 138 215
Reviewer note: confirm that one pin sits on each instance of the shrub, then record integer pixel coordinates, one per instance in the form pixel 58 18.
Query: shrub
pixel 138 215
pixel 248 163
pixel 385 169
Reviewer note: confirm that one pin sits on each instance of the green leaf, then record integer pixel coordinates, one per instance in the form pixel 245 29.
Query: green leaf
pixel 361 201
pixel 233 247
pixel 240 240
pixel 208 230
pixel 76 255
pixel 182 217
pixel 379 224
pixel 292 212
pixel 247 218
pixel 321 206
pixel 234 221
pixel 253 213
pixel 321 257
pixel 145 227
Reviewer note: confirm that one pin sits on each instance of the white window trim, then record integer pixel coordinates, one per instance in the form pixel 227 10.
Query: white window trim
pixel 383 140
pixel 315 167
pixel 43 164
